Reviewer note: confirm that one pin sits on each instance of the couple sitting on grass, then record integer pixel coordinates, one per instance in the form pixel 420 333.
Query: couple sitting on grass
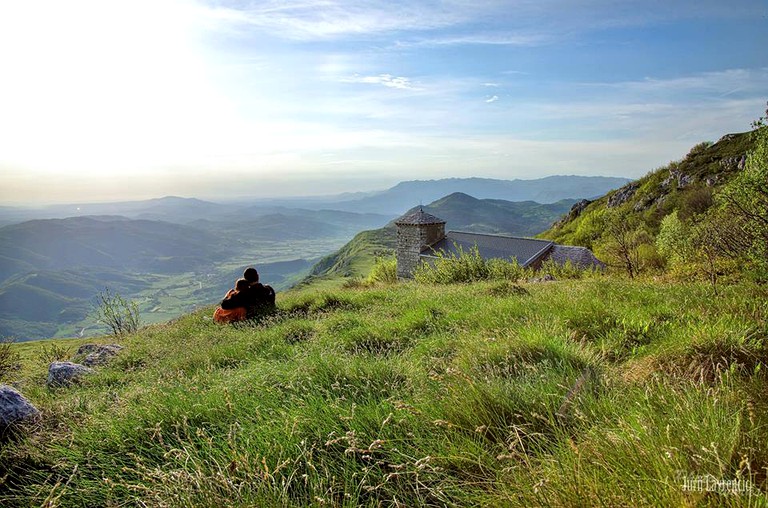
pixel 248 299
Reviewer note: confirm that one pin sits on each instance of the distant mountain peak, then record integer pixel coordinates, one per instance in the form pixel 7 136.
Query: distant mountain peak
pixel 457 197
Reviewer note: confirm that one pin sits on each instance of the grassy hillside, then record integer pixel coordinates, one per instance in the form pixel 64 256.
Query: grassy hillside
pixel 355 259
pixel 591 392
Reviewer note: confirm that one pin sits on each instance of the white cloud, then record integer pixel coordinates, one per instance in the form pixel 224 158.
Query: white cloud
pixel 386 80
pixel 491 99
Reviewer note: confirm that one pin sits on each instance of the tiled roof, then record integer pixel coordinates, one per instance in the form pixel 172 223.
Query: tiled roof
pixel 579 256
pixel 524 250
pixel 419 217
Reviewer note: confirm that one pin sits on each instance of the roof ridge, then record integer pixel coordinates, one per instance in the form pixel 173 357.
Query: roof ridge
pixel 419 217
pixel 499 236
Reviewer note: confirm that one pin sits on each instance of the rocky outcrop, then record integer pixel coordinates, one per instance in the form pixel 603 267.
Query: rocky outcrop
pixel 644 204
pixel 727 137
pixel 66 373
pixel 578 207
pixel 574 212
pixel 622 195
pixel 97 354
pixel 737 163
pixel 14 408
pixel 683 180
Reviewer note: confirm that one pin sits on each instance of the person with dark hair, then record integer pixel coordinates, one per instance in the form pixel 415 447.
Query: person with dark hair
pixel 248 299
pixel 261 294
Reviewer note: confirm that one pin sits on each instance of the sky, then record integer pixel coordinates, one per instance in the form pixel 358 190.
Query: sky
pixel 104 100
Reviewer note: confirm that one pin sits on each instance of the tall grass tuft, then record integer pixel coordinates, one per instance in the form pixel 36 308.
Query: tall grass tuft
pixel 467 266
pixel 10 359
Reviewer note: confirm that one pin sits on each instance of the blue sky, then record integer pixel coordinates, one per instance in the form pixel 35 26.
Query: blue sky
pixel 104 100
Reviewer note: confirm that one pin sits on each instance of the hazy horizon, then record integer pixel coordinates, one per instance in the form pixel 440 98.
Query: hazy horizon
pixel 120 101
pixel 234 199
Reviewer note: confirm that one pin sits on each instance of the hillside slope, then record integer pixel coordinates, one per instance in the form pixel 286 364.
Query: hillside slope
pixel 463 212
pixel 595 392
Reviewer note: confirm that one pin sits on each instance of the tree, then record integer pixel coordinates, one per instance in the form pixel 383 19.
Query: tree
pixel 673 240
pixel 622 237
pixel 745 199
pixel 119 315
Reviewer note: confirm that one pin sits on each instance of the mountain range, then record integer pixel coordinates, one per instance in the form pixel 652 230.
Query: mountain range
pixel 390 202
pixel 174 253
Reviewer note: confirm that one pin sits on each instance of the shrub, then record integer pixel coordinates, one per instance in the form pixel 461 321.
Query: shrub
pixel 454 267
pixel 384 270
pixel 51 352
pixel 507 270
pixel 566 271
pixel 471 267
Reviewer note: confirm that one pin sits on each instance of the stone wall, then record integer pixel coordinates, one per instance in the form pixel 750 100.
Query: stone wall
pixel 411 240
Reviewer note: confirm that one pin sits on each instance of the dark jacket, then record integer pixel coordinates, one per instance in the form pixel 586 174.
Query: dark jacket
pixel 255 296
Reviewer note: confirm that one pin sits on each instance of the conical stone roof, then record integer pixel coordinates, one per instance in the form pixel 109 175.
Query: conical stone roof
pixel 417 218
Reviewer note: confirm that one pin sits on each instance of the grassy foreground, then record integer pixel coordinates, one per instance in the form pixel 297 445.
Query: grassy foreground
pixel 568 393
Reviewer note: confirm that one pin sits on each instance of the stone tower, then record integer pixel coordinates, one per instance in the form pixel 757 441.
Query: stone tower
pixel 416 231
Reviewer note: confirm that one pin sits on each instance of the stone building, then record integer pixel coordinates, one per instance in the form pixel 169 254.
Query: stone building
pixel 416 232
pixel 421 236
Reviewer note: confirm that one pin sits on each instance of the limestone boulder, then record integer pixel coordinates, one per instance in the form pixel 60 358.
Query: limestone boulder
pixel 97 354
pixel 66 373
pixel 14 407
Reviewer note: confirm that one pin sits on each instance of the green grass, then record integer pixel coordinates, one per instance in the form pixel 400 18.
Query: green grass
pixel 568 393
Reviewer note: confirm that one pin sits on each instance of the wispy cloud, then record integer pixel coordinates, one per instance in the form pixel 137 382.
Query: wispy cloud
pixel 723 83
pixel 479 38
pixel 325 19
pixel 491 99
pixel 460 22
pixel 386 80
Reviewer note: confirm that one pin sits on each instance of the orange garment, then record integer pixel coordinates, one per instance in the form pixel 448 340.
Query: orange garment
pixel 229 316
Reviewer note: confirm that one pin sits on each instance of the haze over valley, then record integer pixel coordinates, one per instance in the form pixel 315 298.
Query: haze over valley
pixel 174 254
